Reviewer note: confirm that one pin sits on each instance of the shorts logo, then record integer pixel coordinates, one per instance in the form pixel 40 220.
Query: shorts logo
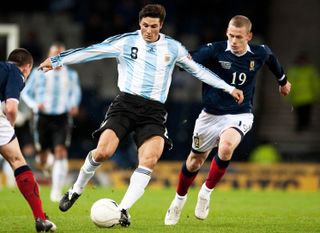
pixel 197 141
pixel 245 128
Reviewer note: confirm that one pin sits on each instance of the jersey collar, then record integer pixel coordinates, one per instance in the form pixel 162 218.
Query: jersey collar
pixel 229 49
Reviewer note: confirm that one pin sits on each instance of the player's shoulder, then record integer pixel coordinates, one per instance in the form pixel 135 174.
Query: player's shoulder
pixel 171 40
pixel 120 37
pixel 217 46
pixel 262 49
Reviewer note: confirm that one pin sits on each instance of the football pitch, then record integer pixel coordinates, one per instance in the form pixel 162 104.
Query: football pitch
pixel 230 211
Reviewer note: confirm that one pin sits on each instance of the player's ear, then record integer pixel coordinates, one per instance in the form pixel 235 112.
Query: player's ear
pixel 249 36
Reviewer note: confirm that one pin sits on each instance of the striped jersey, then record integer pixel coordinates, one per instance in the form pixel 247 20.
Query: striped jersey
pixel 144 69
pixel 238 71
pixel 59 90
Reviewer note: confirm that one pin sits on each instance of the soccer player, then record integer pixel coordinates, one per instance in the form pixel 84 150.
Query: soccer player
pixel 54 98
pixel 13 74
pixel 146 59
pixel 222 123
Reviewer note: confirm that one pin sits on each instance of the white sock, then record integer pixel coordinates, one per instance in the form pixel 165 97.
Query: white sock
pixel 138 182
pixel 86 173
pixel 205 191
pixel 59 175
pixel 179 200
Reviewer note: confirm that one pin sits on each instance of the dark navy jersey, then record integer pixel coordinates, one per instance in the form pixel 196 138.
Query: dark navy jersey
pixel 238 71
pixel 11 81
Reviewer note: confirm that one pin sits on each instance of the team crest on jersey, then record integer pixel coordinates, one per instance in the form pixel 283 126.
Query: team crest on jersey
pixel 197 141
pixel 225 65
pixel 166 58
pixel 251 67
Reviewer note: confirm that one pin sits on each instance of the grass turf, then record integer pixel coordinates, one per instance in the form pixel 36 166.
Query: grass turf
pixel 231 211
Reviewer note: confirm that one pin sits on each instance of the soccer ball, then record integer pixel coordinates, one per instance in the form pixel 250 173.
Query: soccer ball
pixel 105 213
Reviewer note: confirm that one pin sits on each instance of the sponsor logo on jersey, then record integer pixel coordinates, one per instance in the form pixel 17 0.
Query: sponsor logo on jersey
pixel 251 67
pixel 225 65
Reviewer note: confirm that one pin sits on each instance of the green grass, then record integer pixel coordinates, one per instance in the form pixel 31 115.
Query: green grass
pixel 231 211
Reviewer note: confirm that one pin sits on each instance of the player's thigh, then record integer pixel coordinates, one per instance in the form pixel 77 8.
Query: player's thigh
pixel 107 145
pixel 150 151
pixel 206 132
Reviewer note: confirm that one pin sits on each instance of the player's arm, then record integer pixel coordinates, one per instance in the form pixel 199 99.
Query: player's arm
pixel 205 75
pixel 98 51
pixel 276 68
pixel 28 92
pixel 13 88
pixel 11 110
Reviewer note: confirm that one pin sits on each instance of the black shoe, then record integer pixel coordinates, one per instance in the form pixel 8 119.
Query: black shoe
pixel 45 225
pixel 124 218
pixel 68 200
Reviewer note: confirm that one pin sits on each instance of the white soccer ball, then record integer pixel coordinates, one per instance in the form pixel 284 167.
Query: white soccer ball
pixel 105 213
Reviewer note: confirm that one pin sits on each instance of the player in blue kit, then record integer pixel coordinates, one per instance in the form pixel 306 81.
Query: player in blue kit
pixel 146 59
pixel 13 74
pixel 222 123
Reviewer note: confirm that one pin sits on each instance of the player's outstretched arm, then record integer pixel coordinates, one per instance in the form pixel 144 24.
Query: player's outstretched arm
pixel 46 65
pixel 237 95
pixel 285 89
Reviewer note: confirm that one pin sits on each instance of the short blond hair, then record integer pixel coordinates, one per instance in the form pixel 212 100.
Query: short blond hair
pixel 241 21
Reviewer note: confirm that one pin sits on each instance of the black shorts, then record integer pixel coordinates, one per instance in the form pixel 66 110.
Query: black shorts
pixel 52 130
pixel 127 113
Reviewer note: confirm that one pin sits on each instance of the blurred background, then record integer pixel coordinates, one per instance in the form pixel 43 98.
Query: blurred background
pixel 289 27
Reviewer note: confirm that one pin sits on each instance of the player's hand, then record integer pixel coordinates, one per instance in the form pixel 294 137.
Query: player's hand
pixel 285 90
pixel 46 65
pixel 238 95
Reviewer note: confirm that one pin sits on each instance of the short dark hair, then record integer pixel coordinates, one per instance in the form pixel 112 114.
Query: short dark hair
pixel 20 57
pixel 153 11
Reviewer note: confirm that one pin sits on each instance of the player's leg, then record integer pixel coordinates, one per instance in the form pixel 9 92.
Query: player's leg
pixel 60 140
pixel 203 140
pixel 59 172
pixel 107 145
pixel 188 173
pixel 229 140
pixel 149 153
pixel 26 184
pixel 230 129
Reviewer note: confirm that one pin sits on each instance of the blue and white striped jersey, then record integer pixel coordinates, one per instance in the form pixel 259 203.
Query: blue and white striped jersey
pixel 144 69
pixel 59 90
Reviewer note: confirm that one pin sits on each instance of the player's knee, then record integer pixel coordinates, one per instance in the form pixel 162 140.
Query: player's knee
pixel 194 164
pixel 225 151
pixel 101 154
pixel 149 162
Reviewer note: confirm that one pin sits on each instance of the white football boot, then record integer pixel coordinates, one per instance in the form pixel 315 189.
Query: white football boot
pixel 202 208
pixel 174 211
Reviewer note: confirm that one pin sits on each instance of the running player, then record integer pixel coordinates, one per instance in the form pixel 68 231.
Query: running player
pixel 222 123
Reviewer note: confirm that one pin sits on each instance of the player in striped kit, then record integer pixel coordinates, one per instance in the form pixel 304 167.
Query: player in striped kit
pixel 222 123
pixel 13 74
pixel 54 98
pixel 146 59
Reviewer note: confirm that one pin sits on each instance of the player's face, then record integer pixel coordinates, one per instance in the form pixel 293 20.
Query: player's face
pixel 238 38
pixel 55 50
pixel 150 29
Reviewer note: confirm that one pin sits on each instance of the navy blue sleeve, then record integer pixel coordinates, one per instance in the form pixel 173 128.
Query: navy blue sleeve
pixel 14 85
pixel 275 66
pixel 204 54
